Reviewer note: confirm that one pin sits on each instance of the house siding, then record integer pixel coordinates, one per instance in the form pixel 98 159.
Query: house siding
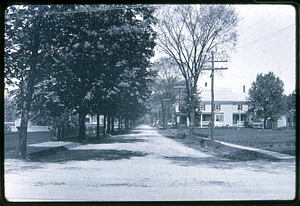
pixel 227 109
pixel 207 107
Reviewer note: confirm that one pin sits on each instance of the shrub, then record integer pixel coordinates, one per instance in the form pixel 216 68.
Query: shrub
pixel 7 128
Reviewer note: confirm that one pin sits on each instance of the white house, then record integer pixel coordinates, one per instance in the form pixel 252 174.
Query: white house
pixel 230 107
pixel 30 128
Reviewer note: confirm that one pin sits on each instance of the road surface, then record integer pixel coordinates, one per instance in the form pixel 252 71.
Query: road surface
pixel 145 166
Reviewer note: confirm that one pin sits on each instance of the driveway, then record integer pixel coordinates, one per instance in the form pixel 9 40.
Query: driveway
pixel 145 166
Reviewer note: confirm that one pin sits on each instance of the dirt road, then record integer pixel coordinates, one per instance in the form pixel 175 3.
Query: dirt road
pixel 145 166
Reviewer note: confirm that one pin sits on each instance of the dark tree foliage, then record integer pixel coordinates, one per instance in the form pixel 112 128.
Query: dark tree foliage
pixel 290 102
pixel 27 56
pixel 69 58
pixel 266 98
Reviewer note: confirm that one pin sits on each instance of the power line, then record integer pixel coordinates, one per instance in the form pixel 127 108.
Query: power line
pixel 245 17
pixel 261 27
pixel 261 20
pixel 268 36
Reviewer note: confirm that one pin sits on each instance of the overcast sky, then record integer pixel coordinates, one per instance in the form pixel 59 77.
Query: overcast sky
pixel 266 42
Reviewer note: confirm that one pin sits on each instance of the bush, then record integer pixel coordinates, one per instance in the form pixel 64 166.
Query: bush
pixel 7 128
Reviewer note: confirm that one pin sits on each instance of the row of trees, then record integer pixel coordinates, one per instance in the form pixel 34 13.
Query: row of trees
pixel 68 59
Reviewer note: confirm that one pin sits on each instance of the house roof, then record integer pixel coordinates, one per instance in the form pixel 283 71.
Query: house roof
pixel 223 94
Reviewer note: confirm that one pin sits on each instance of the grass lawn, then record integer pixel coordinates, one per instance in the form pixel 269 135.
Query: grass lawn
pixel 274 140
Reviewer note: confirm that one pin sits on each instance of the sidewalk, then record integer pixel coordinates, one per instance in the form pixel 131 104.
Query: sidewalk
pixel 49 147
pixel 274 154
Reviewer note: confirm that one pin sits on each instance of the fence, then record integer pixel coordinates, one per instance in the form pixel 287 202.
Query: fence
pixel 11 139
pixel 70 132
pixel 11 127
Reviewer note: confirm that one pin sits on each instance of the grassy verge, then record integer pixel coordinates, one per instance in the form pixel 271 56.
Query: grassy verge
pixel 282 141
pixel 213 148
pixel 35 153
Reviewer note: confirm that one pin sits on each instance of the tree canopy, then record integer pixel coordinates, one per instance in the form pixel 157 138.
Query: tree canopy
pixel 78 58
pixel 266 99
pixel 186 33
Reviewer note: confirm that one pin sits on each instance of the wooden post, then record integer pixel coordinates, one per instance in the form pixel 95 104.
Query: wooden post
pixel 212 92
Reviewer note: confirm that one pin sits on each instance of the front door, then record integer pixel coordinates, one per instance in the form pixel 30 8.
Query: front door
pixel 235 118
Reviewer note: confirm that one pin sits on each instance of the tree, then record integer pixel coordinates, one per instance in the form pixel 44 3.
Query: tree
pixel 47 109
pixel 290 101
pixel 10 109
pixel 266 99
pixel 27 59
pixel 187 33
pixel 125 72
pixel 168 76
pixel 73 51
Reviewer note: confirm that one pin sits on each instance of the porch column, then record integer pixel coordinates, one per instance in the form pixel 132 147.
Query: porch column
pixel 201 121
pixel 239 119
pixel 187 122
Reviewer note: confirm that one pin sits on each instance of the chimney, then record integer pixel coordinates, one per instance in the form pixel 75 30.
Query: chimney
pixel 244 88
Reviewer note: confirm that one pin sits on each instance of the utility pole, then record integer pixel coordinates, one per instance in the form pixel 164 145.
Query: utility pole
pixel 165 113
pixel 212 92
pixel 179 90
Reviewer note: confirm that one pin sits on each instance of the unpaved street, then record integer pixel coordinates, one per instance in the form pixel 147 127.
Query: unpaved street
pixel 145 166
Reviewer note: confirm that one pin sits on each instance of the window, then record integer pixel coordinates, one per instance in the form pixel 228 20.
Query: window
pixel 217 107
pixel 202 107
pixel 239 107
pixel 219 118
pixel 87 120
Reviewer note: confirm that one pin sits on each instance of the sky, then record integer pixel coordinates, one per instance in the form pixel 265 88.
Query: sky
pixel 266 42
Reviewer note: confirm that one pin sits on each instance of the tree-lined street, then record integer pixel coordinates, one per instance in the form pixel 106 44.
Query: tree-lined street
pixel 145 166
pixel 117 94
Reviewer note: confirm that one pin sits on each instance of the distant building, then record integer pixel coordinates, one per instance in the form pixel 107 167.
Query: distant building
pixel 91 120
pixel 230 108
pixel 31 128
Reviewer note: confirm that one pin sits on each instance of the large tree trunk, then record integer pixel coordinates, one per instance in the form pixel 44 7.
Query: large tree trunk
pixel 22 151
pixel 192 117
pixel 126 123
pixel 98 125
pixel 119 123
pixel 104 125
pixel 112 124
pixel 63 131
pixel 27 99
pixel 58 135
pixel 81 125
pixel 108 124
pixel 25 109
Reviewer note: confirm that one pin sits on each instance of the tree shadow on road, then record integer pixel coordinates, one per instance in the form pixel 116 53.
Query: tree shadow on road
pixel 85 155
pixel 223 163
pixel 208 161
pixel 115 139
